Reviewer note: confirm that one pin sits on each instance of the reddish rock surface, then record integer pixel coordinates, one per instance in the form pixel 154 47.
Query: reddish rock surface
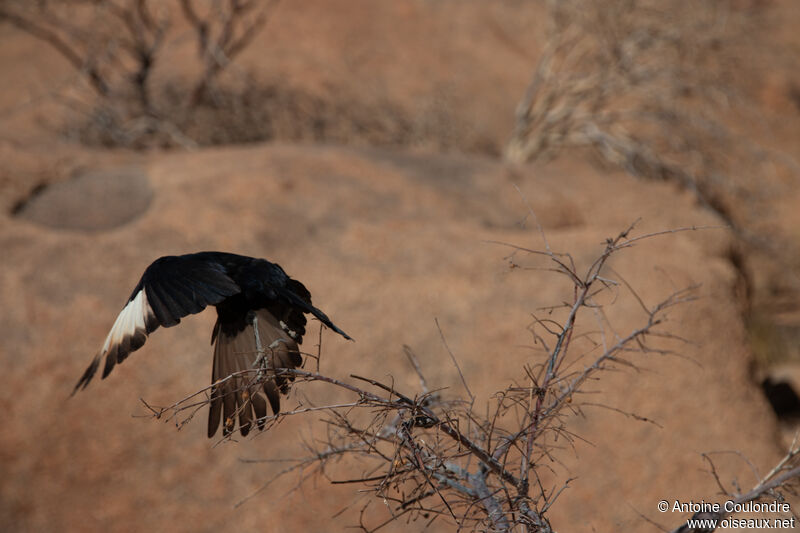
pixel 387 241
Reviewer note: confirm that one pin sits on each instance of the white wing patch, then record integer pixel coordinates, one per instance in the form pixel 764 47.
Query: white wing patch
pixel 131 322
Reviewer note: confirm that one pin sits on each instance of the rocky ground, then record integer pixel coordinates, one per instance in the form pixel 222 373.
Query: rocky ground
pixel 388 239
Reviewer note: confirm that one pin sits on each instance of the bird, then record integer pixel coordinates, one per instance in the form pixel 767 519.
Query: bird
pixel 260 323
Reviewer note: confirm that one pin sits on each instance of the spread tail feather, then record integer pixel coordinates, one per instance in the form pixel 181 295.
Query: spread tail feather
pixel 242 383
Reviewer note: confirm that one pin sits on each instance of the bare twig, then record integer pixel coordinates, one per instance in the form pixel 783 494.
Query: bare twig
pixel 427 458
pixel 454 360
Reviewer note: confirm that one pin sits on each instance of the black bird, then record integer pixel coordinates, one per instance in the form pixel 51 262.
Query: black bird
pixel 258 306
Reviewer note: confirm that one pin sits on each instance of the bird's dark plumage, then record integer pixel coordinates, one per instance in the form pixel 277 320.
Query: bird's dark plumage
pixel 248 293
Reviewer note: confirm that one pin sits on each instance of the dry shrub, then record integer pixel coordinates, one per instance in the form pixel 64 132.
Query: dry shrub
pixel 238 112
pixel 113 45
pixel 116 46
pixel 657 89
pixel 485 463
pixel 133 97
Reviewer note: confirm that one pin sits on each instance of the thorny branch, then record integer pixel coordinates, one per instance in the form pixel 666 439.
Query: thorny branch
pixel 431 458
pixel 786 472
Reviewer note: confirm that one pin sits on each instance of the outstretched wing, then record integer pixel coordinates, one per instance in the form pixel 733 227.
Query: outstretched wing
pixel 170 289
pixel 243 378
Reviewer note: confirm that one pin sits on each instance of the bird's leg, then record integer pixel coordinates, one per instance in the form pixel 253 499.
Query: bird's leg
pixel 261 359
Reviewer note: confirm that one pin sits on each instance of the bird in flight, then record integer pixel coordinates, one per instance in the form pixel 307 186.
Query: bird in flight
pixel 260 323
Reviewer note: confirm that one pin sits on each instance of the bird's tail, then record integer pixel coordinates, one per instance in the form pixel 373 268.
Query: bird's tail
pixel 305 305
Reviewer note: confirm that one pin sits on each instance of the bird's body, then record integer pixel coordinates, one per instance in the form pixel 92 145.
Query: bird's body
pixel 260 322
